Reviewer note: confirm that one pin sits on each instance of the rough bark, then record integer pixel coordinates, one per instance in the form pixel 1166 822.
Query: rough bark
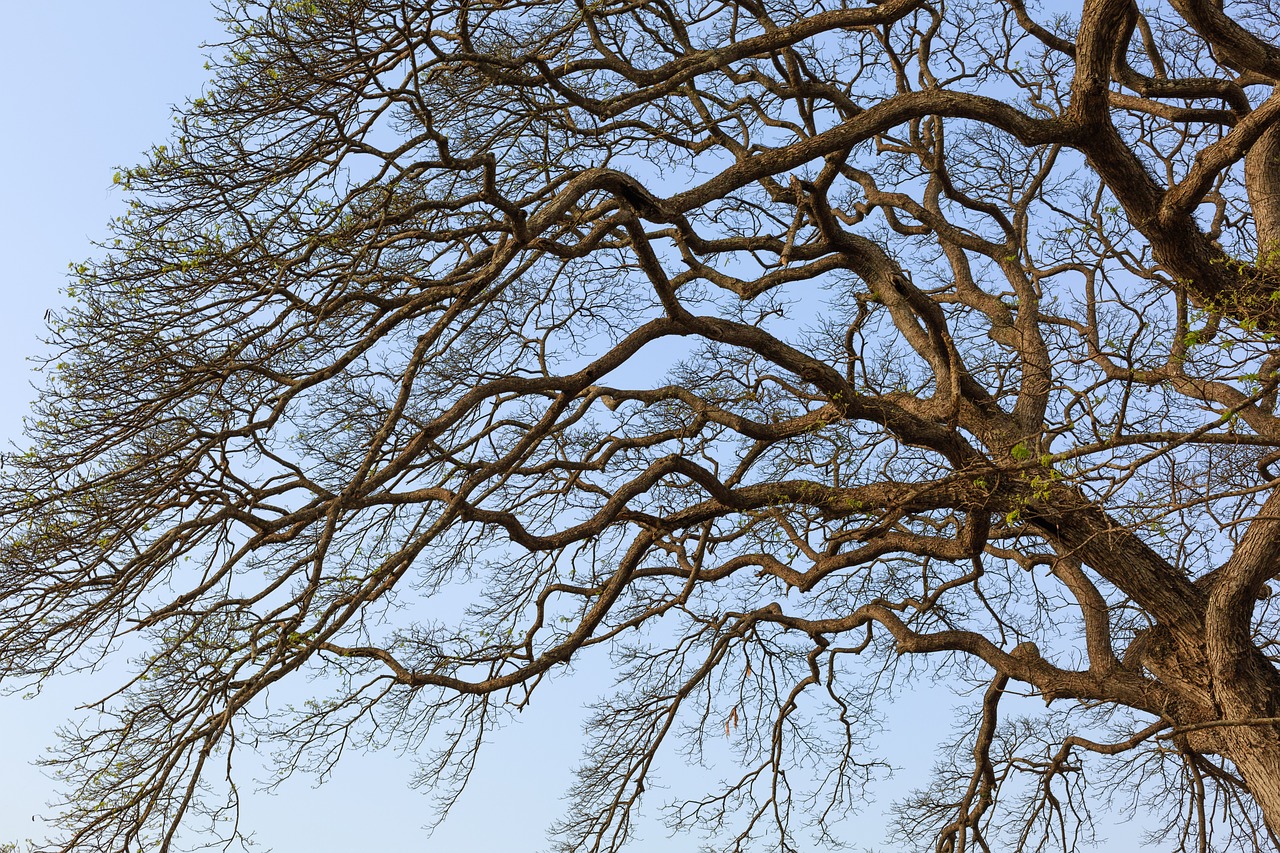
pixel 1262 180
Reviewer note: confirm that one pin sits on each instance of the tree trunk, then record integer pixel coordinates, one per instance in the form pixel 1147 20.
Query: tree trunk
pixel 1255 751
pixel 1262 180
pixel 1220 701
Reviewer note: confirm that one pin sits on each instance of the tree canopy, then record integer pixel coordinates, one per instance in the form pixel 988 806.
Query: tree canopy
pixel 767 351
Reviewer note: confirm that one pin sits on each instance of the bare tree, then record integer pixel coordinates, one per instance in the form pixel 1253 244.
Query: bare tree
pixel 771 349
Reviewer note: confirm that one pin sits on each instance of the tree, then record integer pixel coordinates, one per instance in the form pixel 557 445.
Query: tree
pixel 770 351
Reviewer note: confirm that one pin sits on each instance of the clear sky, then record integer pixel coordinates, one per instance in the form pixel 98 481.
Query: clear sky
pixel 85 87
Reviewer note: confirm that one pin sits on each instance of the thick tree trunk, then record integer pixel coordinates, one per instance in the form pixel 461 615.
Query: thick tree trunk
pixel 1221 703
pixel 1262 180
pixel 1213 679
pixel 1255 751
pixel 1245 684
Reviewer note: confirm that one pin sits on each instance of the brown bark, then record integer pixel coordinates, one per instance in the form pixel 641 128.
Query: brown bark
pixel 1262 180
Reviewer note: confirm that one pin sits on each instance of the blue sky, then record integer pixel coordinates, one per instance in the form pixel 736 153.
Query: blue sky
pixel 87 86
